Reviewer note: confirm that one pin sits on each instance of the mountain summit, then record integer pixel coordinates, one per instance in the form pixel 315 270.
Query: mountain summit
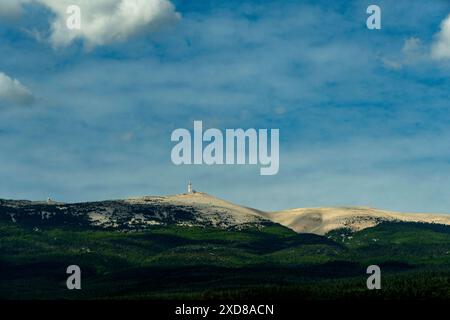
pixel 209 209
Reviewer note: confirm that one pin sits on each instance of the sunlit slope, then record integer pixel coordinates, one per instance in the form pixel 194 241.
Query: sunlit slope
pixel 201 210
pixel 322 220
pixel 215 211
pixel 193 209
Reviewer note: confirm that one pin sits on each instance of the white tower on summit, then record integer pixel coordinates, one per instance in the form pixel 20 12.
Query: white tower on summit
pixel 189 187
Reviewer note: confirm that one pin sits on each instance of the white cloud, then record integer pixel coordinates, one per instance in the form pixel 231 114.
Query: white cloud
pixel 441 46
pixel 13 91
pixel 108 21
pixel 413 52
pixel 411 45
pixel 391 64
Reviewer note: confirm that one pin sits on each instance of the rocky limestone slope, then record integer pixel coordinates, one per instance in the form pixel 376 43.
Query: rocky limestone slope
pixel 198 209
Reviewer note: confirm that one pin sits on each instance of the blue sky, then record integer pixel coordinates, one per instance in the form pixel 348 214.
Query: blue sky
pixel 363 114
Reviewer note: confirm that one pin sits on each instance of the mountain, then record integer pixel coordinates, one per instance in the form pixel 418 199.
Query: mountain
pixel 200 209
pixel 194 209
pixel 208 209
pixel 323 220
pixel 196 246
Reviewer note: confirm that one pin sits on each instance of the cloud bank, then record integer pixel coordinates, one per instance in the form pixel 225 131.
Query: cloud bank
pixel 441 47
pixel 13 91
pixel 109 21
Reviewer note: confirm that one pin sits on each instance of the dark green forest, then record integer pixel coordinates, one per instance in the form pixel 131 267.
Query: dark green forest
pixel 174 262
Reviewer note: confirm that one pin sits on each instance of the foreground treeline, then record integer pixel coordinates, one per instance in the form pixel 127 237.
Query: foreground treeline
pixel 204 263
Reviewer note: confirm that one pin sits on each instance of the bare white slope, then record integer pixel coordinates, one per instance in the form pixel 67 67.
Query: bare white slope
pixel 210 209
pixel 323 220
pixel 202 209
pixel 222 213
